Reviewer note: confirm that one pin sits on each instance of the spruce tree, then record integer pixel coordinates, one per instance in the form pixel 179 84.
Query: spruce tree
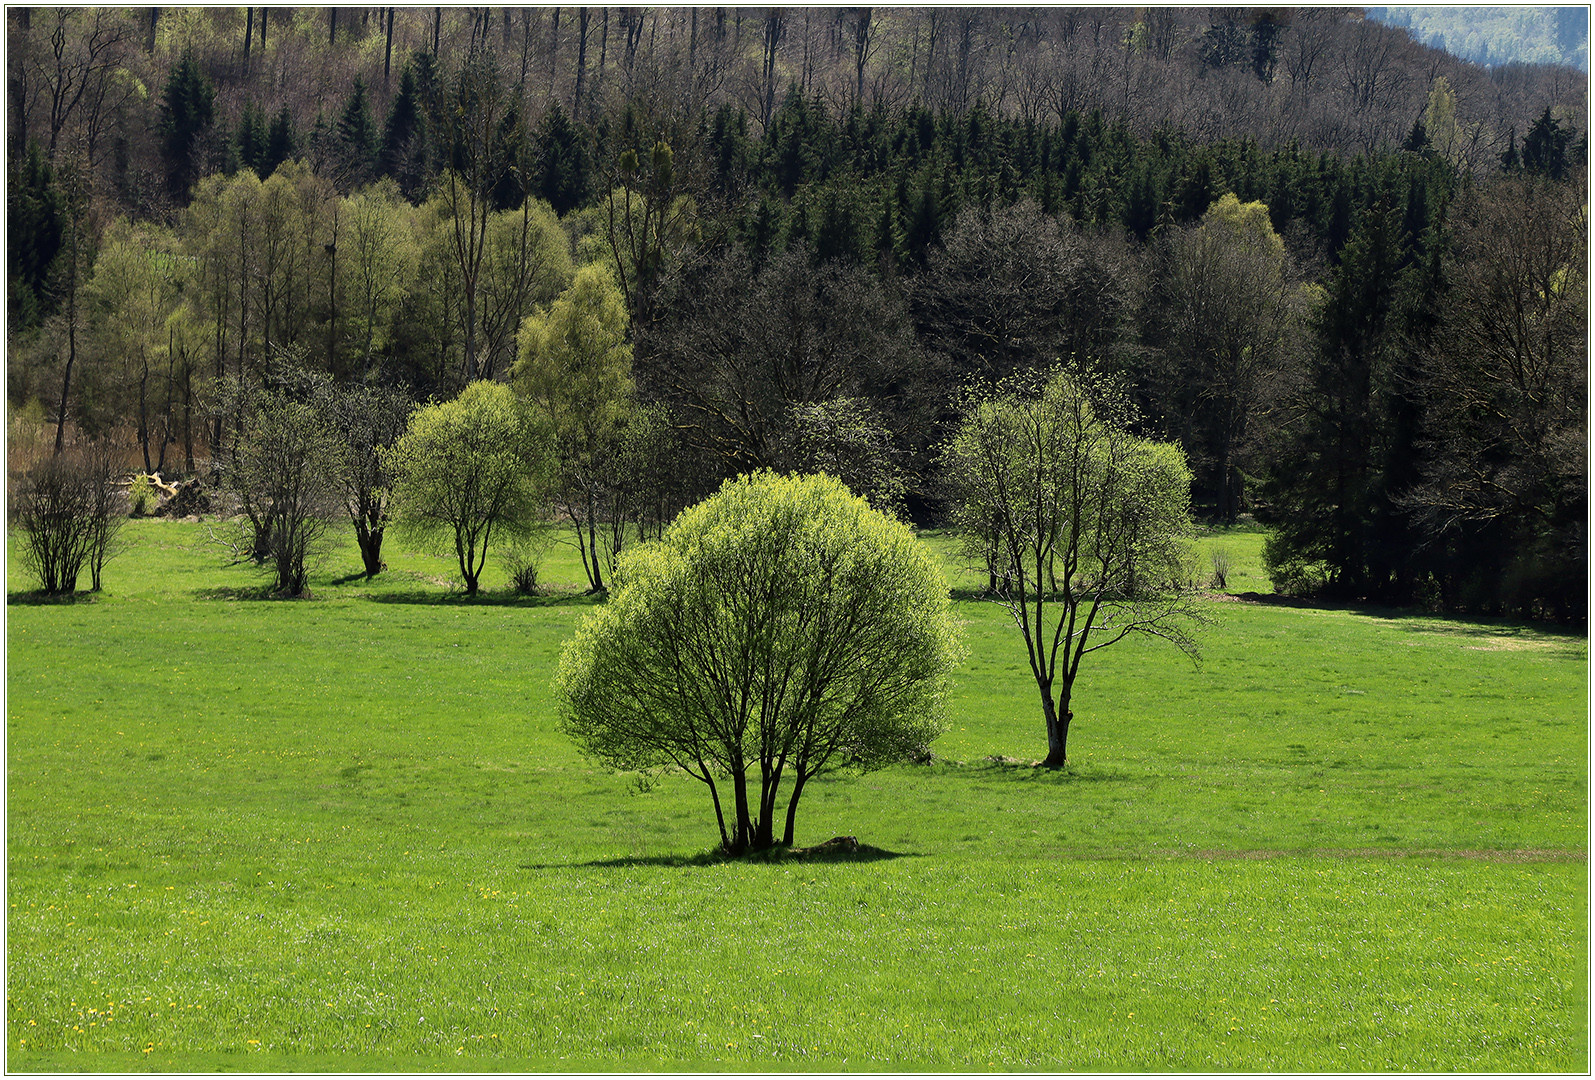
pixel 281 142
pixel 251 140
pixel 357 137
pixel 187 112
pixel 563 170
pixel 404 143
pixel 34 229
pixel 1545 147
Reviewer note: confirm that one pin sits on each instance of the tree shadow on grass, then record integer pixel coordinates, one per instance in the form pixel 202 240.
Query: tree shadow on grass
pixel 430 597
pixel 246 592
pixel 36 598
pixel 483 599
pixel 1020 770
pixel 776 856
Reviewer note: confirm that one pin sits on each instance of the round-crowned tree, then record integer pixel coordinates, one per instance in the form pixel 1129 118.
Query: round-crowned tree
pixel 469 470
pixel 780 629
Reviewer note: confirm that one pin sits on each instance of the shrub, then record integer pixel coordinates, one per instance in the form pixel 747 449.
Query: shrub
pixel 140 497
pixel 69 511
pixel 1221 564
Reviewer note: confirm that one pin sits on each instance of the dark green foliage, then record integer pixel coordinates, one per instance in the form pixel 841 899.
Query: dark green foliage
pixel 404 143
pixel 187 112
pixel 282 143
pixel 34 230
pixel 1545 147
pixel 562 170
pixel 1351 457
pixel 357 138
pixel 252 140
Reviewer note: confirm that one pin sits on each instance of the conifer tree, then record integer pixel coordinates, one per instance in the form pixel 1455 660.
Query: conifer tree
pixel 187 112
pixel 357 137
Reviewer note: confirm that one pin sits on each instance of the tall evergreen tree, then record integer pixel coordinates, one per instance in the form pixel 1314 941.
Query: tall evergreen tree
pixel 563 168
pixel 357 137
pixel 187 113
pixel 282 142
pixel 34 231
pixel 1333 494
pixel 1545 147
pixel 252 140
pixel 404 153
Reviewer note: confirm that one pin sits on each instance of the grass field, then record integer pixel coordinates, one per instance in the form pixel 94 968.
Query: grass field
pixel 344 833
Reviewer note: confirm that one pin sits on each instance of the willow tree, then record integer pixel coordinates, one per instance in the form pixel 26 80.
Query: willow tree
pixel 1080 521
pixel 468 470
pixel 780 629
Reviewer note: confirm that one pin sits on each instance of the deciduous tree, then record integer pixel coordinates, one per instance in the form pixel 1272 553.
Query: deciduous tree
pixel 470 470
pixel 1083 522
pixel 781 629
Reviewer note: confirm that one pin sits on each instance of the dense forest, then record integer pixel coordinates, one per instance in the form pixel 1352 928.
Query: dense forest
pixel 1345 270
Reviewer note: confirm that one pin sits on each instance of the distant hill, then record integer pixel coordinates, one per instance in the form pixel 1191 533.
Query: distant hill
pixel 1498 35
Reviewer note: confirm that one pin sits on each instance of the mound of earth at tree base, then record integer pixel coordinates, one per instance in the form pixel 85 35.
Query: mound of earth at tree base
pixel 836 845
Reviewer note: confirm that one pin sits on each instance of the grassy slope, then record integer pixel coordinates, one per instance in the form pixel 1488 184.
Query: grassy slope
pixel 345 833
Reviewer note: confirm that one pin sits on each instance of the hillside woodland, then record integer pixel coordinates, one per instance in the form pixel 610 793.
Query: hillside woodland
pixel 1499 35
pixel 1345 270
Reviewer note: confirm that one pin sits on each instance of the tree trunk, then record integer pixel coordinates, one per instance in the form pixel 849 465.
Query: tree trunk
pixel 371 551
pixel 583 17
pixel 468 572
pixel 742 836
pixel 1057 730
pixel 71 334
pixel 387 51
pixel 791 808
pixel 144 410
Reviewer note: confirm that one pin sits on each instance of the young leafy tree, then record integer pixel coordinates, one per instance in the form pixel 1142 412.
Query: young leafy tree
pixel 575 366
pixel 781 629
pixel 281 466
pixel 1082 521
pixel 130 299
pixel 368 420
pixel 469 470
pixel 377 263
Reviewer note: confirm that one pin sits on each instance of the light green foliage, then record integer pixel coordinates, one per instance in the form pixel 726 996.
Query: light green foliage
pixel 575 367
pixel 468 469
pixel 1080 524
pixel 1440 119
pixel 781 629
pixel 281 465
pixel 483 272
pixel 378 256
pixel 1249 223
pixel 140 496
pixel 574 359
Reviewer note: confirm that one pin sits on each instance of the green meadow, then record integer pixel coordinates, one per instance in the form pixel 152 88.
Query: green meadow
pixel 345 833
